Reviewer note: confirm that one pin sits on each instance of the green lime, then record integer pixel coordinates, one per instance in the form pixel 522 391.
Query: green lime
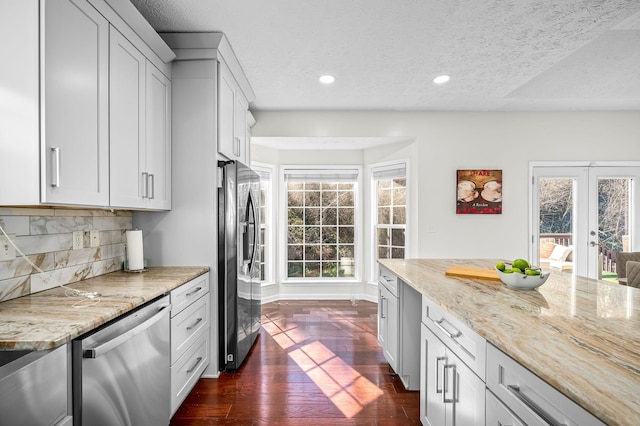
pixel 501 266
pixel 520 264
pixel 532 272
pixel 516 270
pixel 508 271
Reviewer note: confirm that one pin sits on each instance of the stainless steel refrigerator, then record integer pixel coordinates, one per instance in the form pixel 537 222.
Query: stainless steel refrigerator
pixel 238 262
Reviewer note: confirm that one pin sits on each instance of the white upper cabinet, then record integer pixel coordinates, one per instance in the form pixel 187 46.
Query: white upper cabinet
pixel 55 104
pixel 233 109
pixel 196 53
pixel 140 110
pixel 75 108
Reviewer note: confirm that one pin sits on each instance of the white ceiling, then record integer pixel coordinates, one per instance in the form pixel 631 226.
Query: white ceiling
pixel 501 54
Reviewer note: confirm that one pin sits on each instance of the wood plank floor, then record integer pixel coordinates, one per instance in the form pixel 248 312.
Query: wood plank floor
pixel 314 363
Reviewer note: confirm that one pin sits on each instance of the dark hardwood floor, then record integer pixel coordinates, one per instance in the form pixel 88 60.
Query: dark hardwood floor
pixel 314 363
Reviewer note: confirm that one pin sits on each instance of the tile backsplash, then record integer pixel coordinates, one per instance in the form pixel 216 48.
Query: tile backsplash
pixel 45 235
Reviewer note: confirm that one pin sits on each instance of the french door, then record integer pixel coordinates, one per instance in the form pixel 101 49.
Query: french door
pixel 582 215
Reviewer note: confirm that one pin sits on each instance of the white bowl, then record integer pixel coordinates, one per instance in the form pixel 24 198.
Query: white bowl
pixel 523 282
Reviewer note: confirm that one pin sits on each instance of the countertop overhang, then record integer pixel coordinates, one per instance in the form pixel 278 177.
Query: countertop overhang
pixel 51 318
pixel 580 335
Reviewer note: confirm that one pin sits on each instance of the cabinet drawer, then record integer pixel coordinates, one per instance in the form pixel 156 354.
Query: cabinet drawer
pixel 498 414
pixel 529 397
pixel 186 294
pixel 188 325
pixel 186 372
pixel 388 279
pixel 468 345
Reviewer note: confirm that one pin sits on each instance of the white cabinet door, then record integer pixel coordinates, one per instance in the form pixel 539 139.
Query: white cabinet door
pixel 127 117
pixel 75 155
pixel 140 132
pixel 233 111
pixel 388 333
pixel 158 139
pixel 227 144
pixel 450 393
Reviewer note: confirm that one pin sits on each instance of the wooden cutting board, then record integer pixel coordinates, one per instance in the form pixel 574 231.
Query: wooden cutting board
pixel 478 273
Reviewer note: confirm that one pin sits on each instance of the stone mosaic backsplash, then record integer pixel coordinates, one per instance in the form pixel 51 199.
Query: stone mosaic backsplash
pixel 45 235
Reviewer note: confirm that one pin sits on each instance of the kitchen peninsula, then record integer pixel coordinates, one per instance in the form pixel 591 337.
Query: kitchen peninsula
pixel 579 335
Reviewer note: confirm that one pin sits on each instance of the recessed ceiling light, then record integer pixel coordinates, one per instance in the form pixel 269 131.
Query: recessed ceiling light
pixel 441 79
pixel 327 79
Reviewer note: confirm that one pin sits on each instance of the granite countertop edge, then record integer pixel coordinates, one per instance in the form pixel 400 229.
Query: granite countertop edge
pixel 51 318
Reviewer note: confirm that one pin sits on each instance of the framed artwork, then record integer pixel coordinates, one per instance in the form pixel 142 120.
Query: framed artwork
pixel 479 192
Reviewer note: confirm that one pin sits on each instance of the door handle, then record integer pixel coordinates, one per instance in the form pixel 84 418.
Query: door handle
pixel 438 359
pixel 55 170
pixel 152 186
pixel 145 184
pixel 446 384
pixel 593 243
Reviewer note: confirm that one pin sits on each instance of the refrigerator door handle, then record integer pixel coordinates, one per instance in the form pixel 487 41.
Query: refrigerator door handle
pixel 251 222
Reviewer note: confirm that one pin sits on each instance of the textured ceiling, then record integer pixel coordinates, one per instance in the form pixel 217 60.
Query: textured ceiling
pixel 501 54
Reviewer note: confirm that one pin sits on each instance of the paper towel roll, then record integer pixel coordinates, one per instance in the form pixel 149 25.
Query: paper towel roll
pixel 135 251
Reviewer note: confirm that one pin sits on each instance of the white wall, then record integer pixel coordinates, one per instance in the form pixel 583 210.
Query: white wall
pixel 447 141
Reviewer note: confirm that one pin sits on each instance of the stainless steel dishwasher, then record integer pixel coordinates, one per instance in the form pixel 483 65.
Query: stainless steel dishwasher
pixel 121 372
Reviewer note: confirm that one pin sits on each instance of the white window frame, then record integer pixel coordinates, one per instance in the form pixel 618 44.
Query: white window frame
pixel 373 212
pixel 283 231
pixel 269 220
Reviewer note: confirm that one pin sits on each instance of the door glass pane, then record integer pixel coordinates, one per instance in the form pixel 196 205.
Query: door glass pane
pixel 556 199
pixel 613 223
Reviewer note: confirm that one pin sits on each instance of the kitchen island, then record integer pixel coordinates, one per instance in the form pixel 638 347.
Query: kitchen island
pixel 581 336
pixel 51 318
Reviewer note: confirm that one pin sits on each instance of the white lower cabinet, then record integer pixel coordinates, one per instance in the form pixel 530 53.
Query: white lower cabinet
pixel 530 398
pixel 190 324
pixel 399 327
pixel 450 392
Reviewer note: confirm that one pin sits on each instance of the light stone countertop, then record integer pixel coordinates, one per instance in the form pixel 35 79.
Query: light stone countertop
pixel 580 335
pixel 48 319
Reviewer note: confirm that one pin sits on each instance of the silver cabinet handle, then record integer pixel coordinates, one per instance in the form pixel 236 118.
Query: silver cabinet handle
pixel 117 341
pixel 194 324
pixel 55 170
pixel 446 384
pixel 198 361
pixel 382 315
pixel 236 149
pixel 145 184
pixel 453 335
pixel 515 390
pixel 438 359
pixel 152 186
pixel 191 293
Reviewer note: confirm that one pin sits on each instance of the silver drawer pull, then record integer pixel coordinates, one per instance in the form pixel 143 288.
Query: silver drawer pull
pixel 191 293
pixel 194 324
pixel 453 335
pixel 198 361
pixel 55 170
pixel 515 390
pixel 438 359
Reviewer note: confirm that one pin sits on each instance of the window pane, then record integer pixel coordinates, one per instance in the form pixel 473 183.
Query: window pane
pixel 312 235
pixel 350 186
pixel 312 252
pixel 345 234
pixel 397 237
pixel 346 216
pixel 329 252
pixel 295 253
pixel 399 215
pixel 295 199
pixel 345 198
pixel 329 269
pixel 296 216
pixel 397 253
pixel 312 216
pixel 312 269
pixel 346 267
pixel 384 215
pixel 312 186
pixel 384 184
pixel 296 235
pixel 329 234
pixel 384 197
pixel 383 236
pixel 345 251
pixel 329 198
pixel 294 269
pixel 292 186
pixel 329 216
pixel 383 252
pixel 312 198
pixel 329 186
